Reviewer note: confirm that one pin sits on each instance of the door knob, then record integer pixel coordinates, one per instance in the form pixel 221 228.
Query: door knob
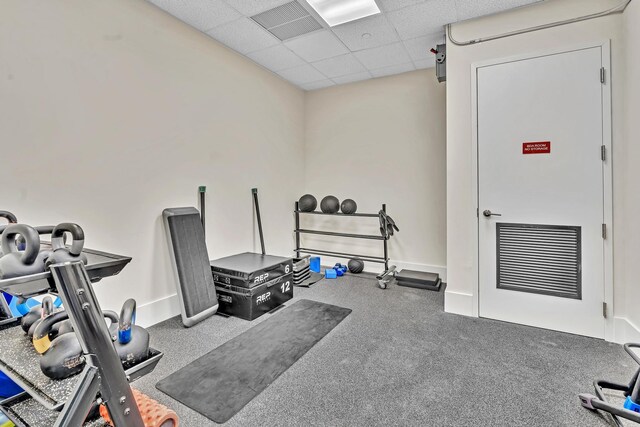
pixel 488 213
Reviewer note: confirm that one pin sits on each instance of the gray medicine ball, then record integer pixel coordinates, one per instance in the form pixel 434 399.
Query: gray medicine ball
pixel 307 203
pixel 348 206
pixel 356 265
pixel 330 204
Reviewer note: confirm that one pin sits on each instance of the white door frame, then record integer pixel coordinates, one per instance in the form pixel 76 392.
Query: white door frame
pixel 609 333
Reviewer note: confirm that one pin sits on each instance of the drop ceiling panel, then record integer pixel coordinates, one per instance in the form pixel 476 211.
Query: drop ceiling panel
pixel 276 58
pixel 243 36
pixel 393 69
pixel 203 14
pixel 302 74
pixel 304 50
pixel 318 85
pixel 383 56
pixel 339 66
pixel 389 5
pixel 316 46
pixel 352 78
pixel 423 19
pixel 366 33
pixel 418 48
pixel 472 9
pixel 252 7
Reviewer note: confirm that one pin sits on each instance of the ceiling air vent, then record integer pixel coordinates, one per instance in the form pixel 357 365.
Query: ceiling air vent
pixel 287 21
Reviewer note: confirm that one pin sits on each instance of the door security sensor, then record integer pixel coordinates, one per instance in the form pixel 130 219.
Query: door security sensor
pixel 441 62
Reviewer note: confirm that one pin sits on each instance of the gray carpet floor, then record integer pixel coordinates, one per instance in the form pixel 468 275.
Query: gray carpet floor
pixel 398 359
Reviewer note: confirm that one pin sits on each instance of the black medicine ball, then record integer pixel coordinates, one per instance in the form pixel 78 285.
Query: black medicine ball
pixel 307 203
pixel 330 204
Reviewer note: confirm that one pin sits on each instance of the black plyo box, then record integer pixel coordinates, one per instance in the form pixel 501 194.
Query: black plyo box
pixel 248 270
pixel 252 303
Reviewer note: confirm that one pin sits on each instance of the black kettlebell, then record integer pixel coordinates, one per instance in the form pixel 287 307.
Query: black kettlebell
pixel 34 314
pixel 61 357
pixel 15 263
pixel 132 344
pixel 46 310
pixel 60 252
pixel 11 219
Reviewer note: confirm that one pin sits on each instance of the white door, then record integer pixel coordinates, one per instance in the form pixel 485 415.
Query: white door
pixel 540 133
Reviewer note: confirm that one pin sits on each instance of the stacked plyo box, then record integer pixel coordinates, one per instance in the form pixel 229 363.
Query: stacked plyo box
pixel 249 285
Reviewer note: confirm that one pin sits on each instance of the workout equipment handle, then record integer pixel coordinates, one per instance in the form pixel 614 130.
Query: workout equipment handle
pixel 254 191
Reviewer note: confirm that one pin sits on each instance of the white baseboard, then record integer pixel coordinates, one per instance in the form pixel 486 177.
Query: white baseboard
pixel 626 331
pixel 441 271
pixel 158 311
pixel 458 303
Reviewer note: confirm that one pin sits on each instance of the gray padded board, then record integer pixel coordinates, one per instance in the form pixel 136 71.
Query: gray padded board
pixel 191 263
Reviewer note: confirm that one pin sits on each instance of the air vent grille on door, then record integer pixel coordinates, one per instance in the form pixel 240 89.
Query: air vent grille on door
pixel 287 21
pixel 541 259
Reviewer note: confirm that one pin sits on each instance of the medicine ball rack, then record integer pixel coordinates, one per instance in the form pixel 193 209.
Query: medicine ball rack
pixel 368 258
pixel 66 403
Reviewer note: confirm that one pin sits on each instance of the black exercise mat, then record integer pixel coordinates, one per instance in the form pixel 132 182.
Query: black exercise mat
pixel 222 382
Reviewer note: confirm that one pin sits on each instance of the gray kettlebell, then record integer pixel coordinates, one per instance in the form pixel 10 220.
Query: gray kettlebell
pixel 132 344
pixel 62 357
pixel 15 263
pixel 11 219
pixel 61 253
pixel 46 310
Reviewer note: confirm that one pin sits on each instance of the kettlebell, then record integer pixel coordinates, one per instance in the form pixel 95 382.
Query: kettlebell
pixel 11 219
pixel 14 263
pixel 60 252
pixel 30 315
pixel 62 357
pixel 132 344
pixel 46 310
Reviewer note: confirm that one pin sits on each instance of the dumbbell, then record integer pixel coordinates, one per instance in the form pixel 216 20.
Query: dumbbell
pixel 340 269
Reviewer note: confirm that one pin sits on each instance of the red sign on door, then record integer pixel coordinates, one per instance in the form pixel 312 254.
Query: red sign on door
pixel 541 147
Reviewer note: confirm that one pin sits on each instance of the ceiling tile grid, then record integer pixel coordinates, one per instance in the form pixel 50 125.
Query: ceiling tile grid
pixel 395 41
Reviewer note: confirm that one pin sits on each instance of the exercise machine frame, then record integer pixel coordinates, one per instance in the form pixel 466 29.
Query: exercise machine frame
pixel 631 390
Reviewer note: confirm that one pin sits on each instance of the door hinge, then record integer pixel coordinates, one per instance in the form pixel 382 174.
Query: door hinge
pixel 602 74
pixel 604 231
pixel 604 310
pixel 603 152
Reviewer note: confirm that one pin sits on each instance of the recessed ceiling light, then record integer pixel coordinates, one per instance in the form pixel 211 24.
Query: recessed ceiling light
pixel 336 12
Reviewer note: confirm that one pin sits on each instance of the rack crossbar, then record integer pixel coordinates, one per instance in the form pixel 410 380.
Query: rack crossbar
pixel 367 258
pixel 348 235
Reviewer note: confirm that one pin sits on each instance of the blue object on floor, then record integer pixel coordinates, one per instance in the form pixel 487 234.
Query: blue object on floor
pixel 19 310
pixel 314 264
pixel 631 405
pixel 7 387
pixel 330 273
pixel 340 269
